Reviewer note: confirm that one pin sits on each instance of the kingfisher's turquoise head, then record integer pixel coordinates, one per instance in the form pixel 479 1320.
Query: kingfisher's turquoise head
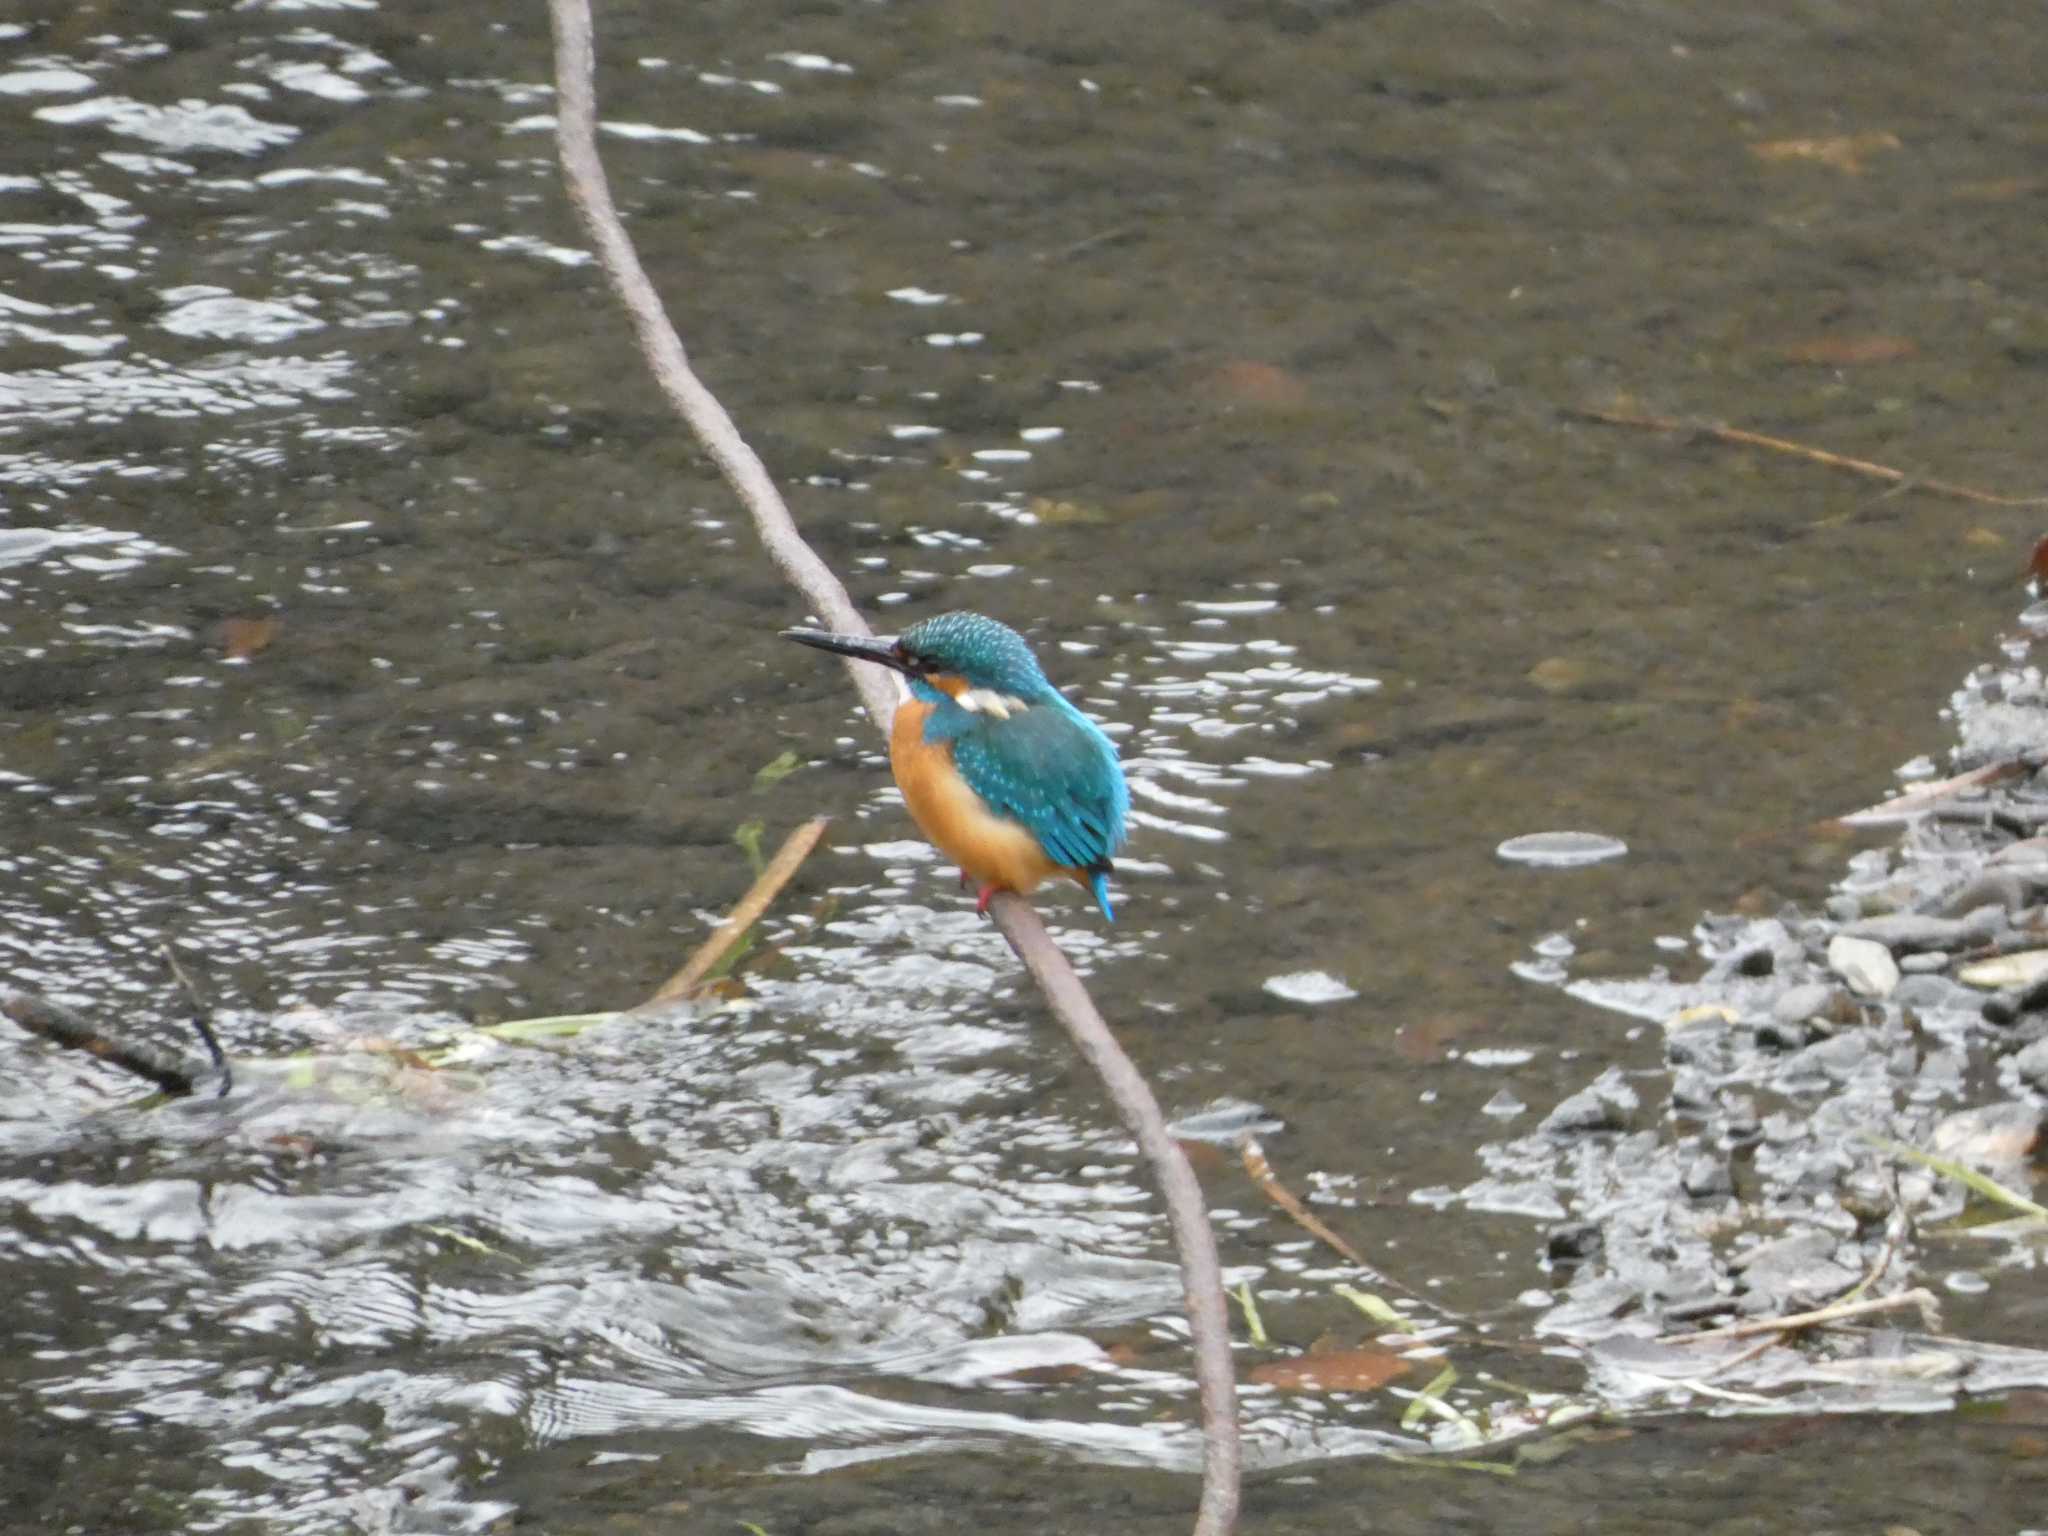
pixel 959 657
pixel 969 654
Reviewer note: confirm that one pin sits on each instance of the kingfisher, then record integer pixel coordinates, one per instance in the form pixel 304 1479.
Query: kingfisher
pixel 1009 780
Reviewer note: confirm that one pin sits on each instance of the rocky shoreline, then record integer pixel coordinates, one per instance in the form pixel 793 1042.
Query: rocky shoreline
pixel 1759 1172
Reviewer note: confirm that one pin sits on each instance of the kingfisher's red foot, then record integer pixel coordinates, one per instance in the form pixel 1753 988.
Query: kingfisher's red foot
pixel 988 893
pixel 963 879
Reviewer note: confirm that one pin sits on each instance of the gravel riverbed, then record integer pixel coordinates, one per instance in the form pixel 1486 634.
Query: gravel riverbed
pixel 1758 1172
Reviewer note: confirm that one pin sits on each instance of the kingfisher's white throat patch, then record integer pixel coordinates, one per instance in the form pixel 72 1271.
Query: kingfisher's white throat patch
pixel 987 701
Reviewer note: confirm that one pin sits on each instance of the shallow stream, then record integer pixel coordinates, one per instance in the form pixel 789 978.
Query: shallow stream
pixel 368 628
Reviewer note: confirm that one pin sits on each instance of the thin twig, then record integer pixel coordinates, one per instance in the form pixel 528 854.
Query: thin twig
pixel 1256 1164
pixel 61 1025
pixel 1716 432
pixel 1093 242
pixel 1895 1229
pixel 1924 798
pixel 747 912
pixel 1208 1318
pixel 1254 1158
pixel 1769 1342
pixel 1841 1311
pixel 202 1018
pixel 1896 1226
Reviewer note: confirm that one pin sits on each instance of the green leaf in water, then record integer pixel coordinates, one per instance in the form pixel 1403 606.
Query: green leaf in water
pixel 2011 1229
pixel 742 947
pixel 463 1239
pixel 1376 1309
pixel 562 1026
pixel 748 835
pixel 1530 1394
pixel 1982 1183
pixel 1254 1325
pixel 1455 1464
pixel 773 773
pixel 1430 1400
pixel 1541 1452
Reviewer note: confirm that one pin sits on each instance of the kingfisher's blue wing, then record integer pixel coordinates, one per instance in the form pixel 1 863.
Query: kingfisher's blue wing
pixel 1051 769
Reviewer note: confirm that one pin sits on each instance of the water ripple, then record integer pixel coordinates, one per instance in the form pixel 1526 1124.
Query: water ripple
pixel 184 126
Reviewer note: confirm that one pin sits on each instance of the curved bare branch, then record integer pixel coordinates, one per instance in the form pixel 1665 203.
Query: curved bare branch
pixel 583 171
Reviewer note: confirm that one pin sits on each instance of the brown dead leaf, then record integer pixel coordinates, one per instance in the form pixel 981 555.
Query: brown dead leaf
pixel 1428 1039
pixel 426 1089
pixel 1337 1370
pixel 1743 711
pixel 1844 152
pixel 2037 563
pixel 1984 1139
pixel 241 639
pixel 384 1045
pixel 2006 189
pixel 1776 1435
pixel 2028 1405
pixel 1046 510
pixel 1259 384
pixel 1849 351
pixel 1046 1375
pixel 1558 674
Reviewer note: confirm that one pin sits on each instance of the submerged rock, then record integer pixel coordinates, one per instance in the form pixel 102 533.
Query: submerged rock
pixel 1866 965
pixel 1798 1004
pixel 2032 1064
pixel 1905 932
pixel 1707 1178
pixel 1785 1035
pixel 1575 1242
pixel 1797 1271
pixel 1931 993
pixel 1603 1105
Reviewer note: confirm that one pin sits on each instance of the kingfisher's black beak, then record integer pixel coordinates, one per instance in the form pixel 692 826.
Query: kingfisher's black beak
pixel 880 649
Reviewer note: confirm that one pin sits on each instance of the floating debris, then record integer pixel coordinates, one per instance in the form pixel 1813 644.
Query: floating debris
pixel 1561 850
pixel 1309 987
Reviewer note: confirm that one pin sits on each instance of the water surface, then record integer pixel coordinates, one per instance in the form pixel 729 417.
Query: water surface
pixel 370 628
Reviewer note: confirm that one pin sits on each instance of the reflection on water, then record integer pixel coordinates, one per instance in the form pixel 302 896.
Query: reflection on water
pixel 366 626
pixel 736 1219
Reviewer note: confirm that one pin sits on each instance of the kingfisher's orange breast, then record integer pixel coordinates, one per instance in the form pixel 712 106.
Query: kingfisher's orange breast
pixel 993 849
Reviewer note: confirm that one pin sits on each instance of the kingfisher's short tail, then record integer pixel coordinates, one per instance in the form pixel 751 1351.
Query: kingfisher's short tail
pixel 1098 882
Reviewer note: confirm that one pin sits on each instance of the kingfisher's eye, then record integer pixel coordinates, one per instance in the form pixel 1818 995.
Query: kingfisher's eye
pixel 920 665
